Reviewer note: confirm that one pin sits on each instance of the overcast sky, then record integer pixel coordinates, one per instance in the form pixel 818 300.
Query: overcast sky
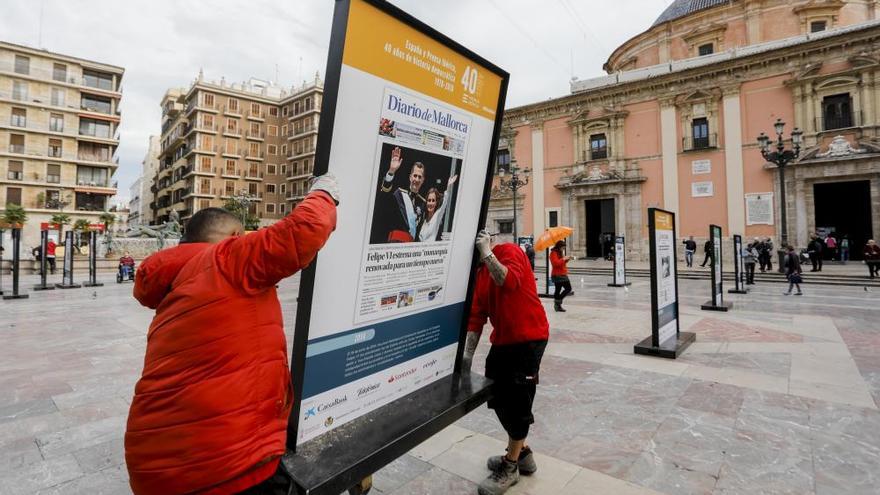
pixel 163 43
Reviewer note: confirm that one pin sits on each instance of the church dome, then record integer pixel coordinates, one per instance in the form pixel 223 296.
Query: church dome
pixel 682 8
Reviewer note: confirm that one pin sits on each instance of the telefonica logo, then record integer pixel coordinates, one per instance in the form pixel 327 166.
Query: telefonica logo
pixel 329 405
pixel 401 375
pixel 369 388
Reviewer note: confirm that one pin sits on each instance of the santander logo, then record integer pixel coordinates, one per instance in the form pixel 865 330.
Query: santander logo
pixel 404 374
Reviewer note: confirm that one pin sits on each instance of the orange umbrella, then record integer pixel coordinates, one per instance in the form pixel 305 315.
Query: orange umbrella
pixel 551 236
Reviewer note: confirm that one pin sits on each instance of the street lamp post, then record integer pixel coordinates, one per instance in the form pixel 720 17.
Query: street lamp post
pixel 781 157
pixel 514 183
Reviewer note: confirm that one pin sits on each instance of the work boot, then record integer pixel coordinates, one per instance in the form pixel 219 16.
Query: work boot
pixel 499 481
pixel 526 463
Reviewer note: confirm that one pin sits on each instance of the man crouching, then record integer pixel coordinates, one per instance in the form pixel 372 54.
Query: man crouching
pixel 506 294
pixel 209 413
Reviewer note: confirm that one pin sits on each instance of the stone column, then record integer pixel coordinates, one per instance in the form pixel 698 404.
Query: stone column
pixel 537 180
pixel 733 164
pixel 669 146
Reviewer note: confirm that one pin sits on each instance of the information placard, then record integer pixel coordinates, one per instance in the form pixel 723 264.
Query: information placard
pixel 619 263
pixel 666 340
pixel 738 267
pixel 409 125
pixel 759 209
pixel 717 302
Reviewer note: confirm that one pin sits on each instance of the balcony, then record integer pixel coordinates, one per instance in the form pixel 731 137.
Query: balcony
pixel 193 170
pixel 250 155
pixel 197 105
pixel 261 116
pixel 101 84
pixel 839 121
pixel 231 174
pixel 236 112
pixel 16 148
pixel 258 136
pixel 701 143
pixel 596 154
pixel 252 175
pixel 234 132
pixel 302 131
pixel 93 157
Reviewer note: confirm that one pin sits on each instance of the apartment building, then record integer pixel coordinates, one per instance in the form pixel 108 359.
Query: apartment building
pixel 59 117
pixel 140 193
pixel 219 140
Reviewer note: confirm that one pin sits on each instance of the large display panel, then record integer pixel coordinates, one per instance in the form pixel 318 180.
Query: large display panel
pixel 409 126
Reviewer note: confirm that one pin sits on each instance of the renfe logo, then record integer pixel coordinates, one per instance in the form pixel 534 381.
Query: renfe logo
pixel 429 364
pixel 369 388
pixel 401 375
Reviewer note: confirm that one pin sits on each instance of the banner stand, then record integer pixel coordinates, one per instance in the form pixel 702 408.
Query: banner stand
pixel 93 261
pixel 16 258
pixel 337 461
pixel 361 419
pixel 67 276
pixel 546 294
pixel 44 263
pixel 619 274
pixel 717 303
pixel 666 340
pixel 738 272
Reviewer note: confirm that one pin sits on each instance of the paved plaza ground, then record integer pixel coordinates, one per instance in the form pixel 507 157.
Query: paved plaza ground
pixel 778 396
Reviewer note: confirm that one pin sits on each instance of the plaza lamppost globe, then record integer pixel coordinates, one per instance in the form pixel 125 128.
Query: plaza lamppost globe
pixel 781 157
pixel 519 178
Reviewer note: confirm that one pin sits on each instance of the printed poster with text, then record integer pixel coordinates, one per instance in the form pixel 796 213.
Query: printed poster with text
pixel 664 249
pixel 411 144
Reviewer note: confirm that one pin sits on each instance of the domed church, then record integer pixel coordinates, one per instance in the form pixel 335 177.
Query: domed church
pixel 675 124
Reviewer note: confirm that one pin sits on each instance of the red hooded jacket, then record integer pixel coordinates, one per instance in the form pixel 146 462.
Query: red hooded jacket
pixel 514 309
pixel 209 414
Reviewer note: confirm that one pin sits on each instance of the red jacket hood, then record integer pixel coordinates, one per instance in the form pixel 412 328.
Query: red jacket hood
pixel 158 271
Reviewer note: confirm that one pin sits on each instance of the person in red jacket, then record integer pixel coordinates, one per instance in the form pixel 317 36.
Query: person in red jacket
pixel 210 411
pixel 559 274
pixel 50 255
pixel 505 293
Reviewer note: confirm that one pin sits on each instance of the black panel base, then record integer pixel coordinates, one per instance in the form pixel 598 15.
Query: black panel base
pixel 96 284
pixel 44 287
pixel 15 296
pixel 670 349
pixel 68 286
pixel 546 296
pixel 625 284
pixel 723 307
pixel 734 291
pixel 338 460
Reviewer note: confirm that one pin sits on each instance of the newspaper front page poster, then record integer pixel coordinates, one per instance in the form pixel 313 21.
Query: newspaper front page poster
pixel 411 142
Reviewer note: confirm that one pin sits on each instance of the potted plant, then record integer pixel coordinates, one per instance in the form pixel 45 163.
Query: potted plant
pixel 61 219
pixel 14 216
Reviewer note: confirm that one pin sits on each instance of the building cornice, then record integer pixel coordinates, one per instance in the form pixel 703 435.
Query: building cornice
pixel 769 63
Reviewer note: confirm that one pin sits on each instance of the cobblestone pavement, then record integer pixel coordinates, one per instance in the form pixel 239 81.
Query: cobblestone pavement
pixel 778 396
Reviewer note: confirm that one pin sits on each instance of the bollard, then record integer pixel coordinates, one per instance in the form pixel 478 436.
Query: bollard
pixel 67 277
pixel 16 258
pixel 44 262
pixel 93 262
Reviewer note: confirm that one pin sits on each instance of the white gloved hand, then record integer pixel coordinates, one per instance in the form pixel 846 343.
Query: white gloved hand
pixel 327 183
pixel 484 244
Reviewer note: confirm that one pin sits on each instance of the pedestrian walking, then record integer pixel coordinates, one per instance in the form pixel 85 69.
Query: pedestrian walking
pixel 831 245
pixel 530 254
pixel 506 295
pixel 814 249
pixel 844 249
pixel 690 247
pixel 707 248
pixel 872 258
pixel 793 271
pixel 559 274
pixel 210 411
pixel 750 257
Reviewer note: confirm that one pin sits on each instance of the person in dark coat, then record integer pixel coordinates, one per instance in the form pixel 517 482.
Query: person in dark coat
pixel 690 247
pixel 793 271
pixel 814 249
pixel 872 258
pixel 707 248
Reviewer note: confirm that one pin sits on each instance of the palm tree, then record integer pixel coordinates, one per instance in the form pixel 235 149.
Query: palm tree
pixel 81 225
pixel 61 219
pixel 107 219
pixel 14 215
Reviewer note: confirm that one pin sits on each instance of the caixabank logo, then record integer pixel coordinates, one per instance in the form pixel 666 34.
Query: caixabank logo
pixel 398 376
pixel 325 406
